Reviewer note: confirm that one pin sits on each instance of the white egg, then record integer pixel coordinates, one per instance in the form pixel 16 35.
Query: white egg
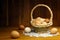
pixel 27 29
pixel 40 19
pixel 15 34
pixel 44 23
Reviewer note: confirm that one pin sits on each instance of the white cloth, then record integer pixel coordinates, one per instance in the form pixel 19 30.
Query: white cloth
pixel 31 34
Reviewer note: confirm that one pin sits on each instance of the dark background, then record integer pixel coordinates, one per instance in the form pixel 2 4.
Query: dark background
pixel 16 12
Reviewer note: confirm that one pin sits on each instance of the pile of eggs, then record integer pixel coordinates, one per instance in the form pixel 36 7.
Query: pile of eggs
pixel 40 21
pixel 16 34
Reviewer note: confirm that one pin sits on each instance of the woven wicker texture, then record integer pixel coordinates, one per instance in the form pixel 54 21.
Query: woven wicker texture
pixel 51 18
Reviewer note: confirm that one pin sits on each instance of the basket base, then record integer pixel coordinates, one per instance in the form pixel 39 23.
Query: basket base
pixel 41 30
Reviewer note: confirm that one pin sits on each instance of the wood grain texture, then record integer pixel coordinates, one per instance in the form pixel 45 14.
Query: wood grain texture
pixel 41 11
pixel 5 35
pixel 19 11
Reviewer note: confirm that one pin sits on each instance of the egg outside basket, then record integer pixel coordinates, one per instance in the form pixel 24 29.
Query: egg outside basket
pixel 42 28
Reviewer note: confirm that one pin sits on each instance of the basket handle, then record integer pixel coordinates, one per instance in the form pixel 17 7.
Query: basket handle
pixel 44 6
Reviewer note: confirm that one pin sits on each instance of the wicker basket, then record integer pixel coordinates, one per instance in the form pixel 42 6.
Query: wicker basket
pixel 40 27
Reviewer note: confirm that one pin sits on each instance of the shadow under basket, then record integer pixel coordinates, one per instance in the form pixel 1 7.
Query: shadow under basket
pixel 41 30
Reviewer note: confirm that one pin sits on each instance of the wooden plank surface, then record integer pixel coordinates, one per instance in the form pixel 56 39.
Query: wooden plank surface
pixel 5 35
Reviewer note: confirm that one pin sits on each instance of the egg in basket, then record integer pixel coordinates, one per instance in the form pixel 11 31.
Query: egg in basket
pixel 41 22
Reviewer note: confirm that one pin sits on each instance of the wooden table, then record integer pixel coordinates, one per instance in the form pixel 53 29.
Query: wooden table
pixel 5 35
